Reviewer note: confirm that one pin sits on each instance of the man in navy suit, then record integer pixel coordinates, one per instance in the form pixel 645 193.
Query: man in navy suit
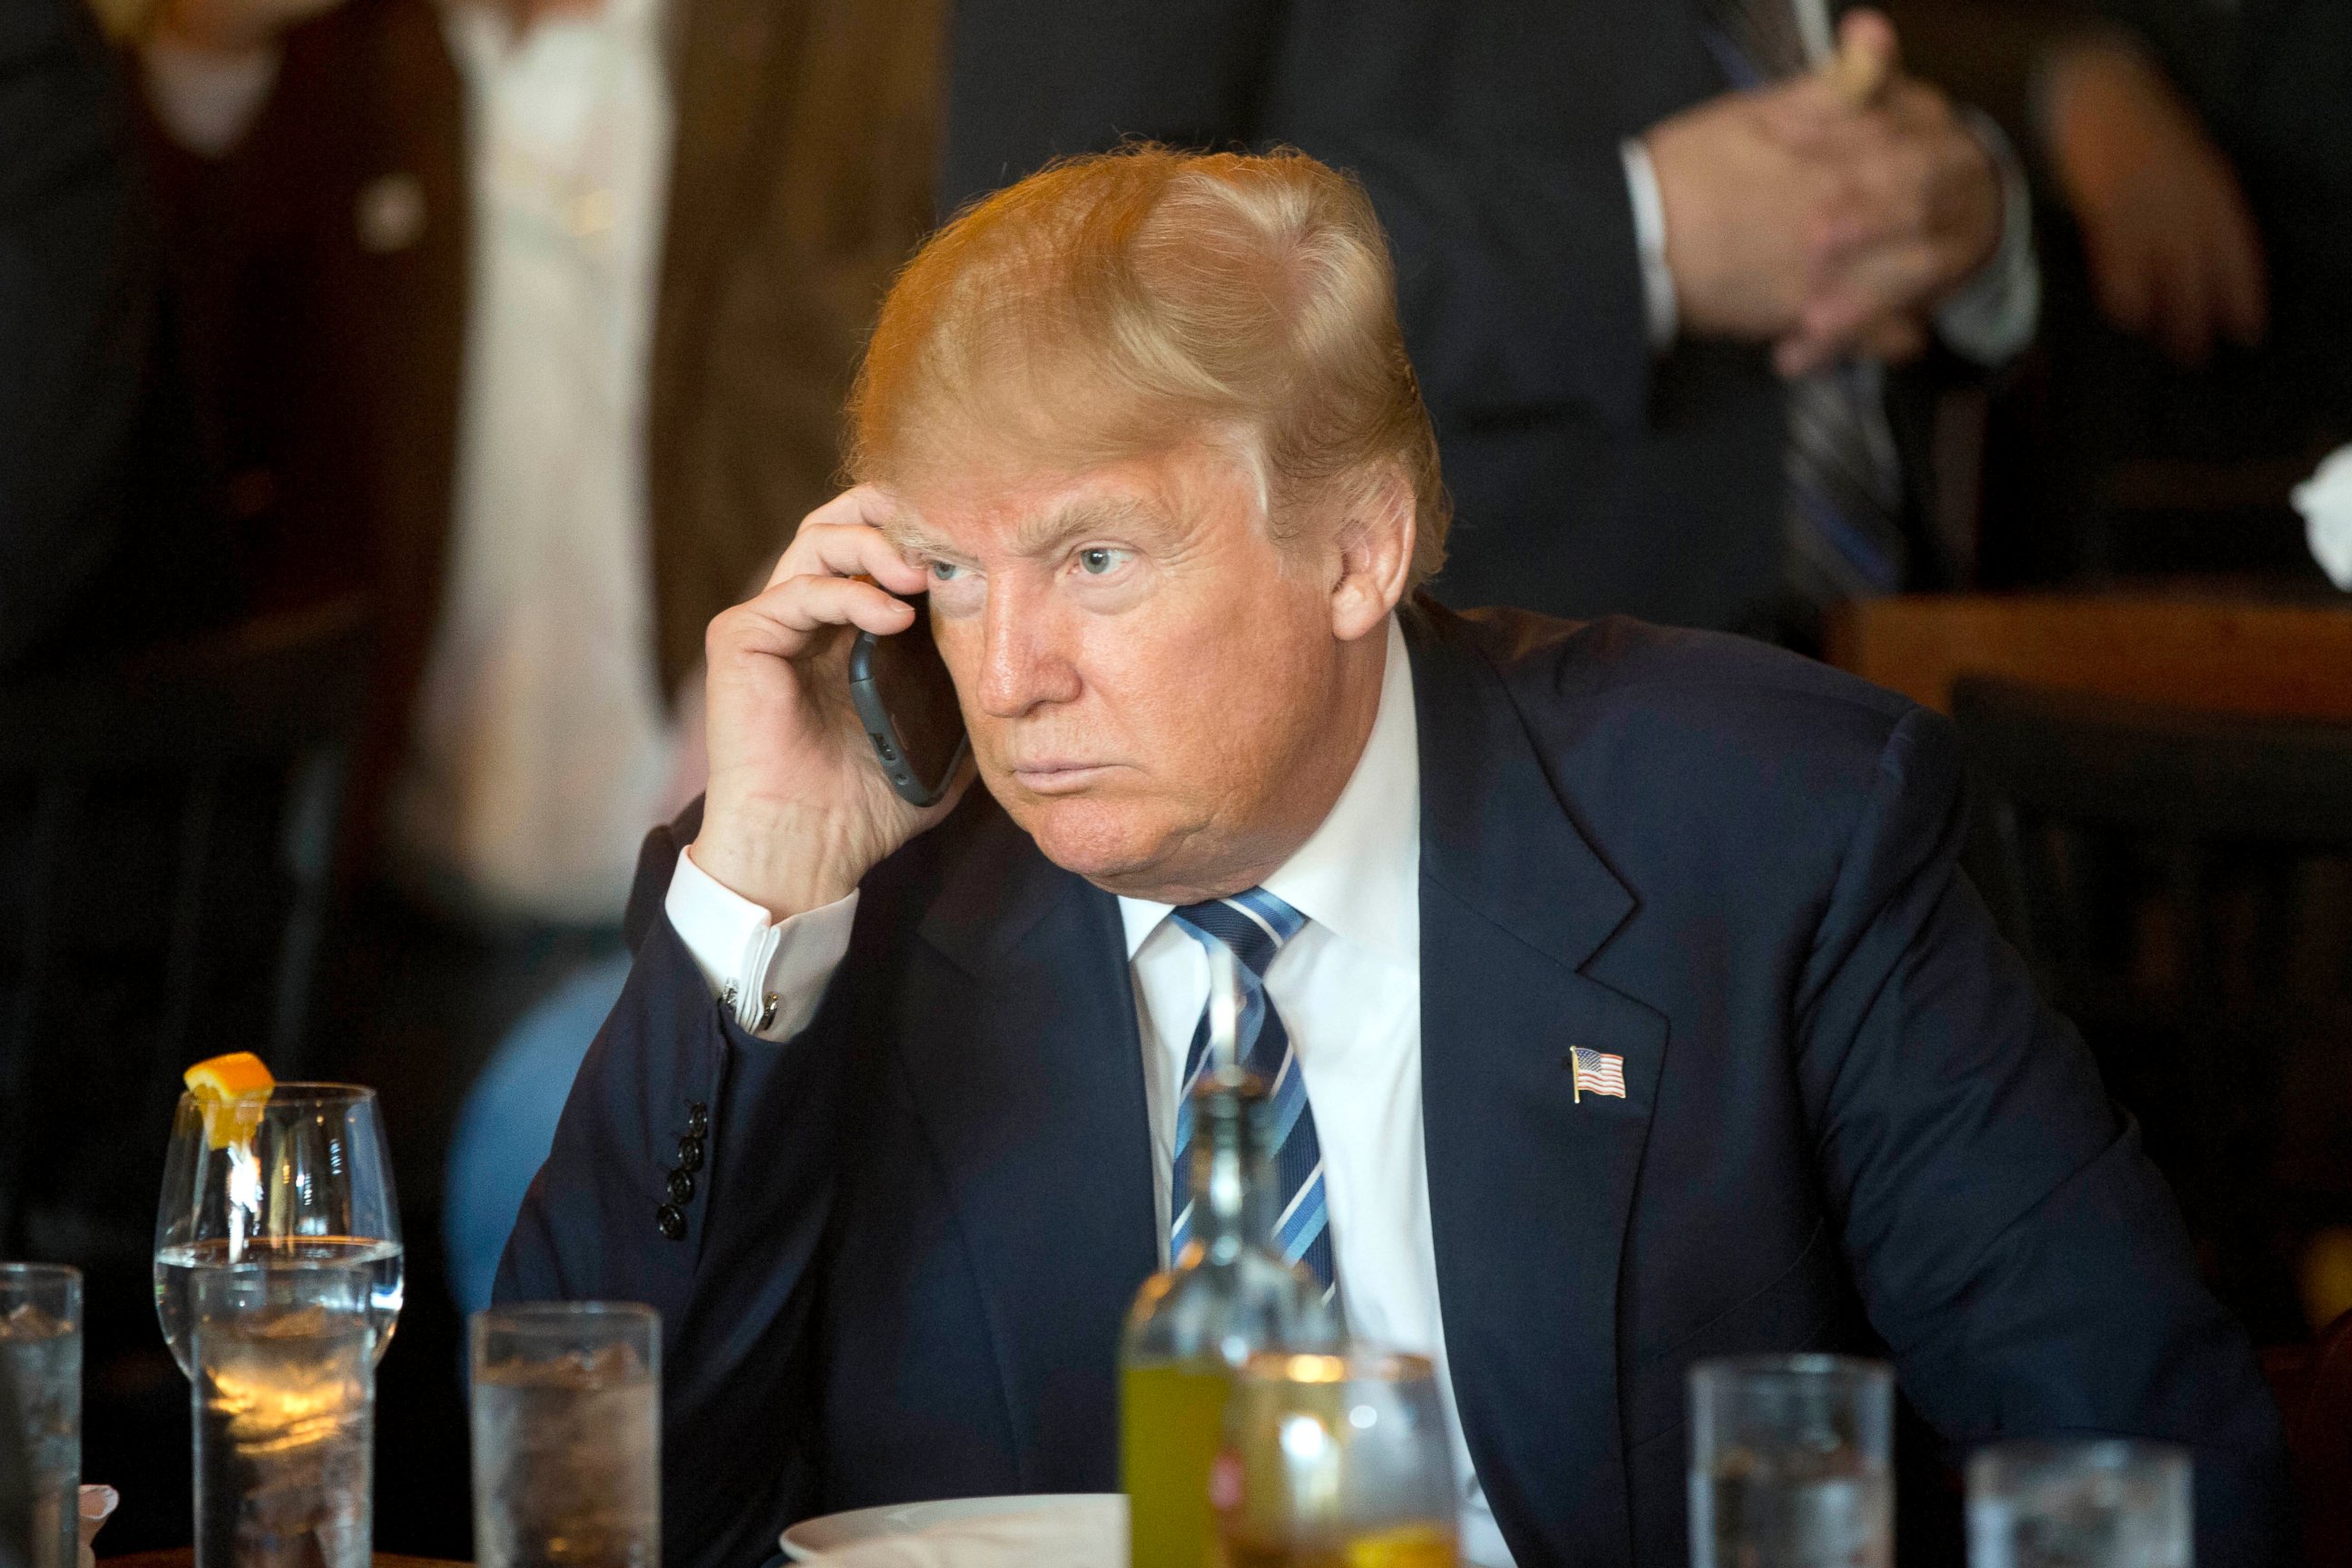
pixel 1641 1012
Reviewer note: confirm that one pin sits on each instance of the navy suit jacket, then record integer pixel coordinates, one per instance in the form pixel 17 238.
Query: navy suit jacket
pixel 1848 1124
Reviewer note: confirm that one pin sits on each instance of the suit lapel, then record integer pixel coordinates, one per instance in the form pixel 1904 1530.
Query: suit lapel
pixel 1025 1067
pixel 1529 1187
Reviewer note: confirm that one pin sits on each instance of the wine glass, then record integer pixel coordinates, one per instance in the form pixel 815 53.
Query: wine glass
pixel 279 1179
pixel 1334 1460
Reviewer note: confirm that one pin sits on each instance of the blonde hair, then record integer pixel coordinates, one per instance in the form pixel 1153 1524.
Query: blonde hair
pixel 1112 305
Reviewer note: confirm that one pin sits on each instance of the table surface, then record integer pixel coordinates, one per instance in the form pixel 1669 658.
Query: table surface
pixel 186 1557
pixel 2186 649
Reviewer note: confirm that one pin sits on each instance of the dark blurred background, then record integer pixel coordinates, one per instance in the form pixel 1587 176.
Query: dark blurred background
pixel 391 390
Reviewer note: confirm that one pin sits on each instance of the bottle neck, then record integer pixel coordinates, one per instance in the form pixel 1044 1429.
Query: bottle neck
pixel 1233 1172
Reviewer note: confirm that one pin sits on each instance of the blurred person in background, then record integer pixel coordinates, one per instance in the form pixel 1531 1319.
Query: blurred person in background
pixel 533 320
pixel 2199 357
pixel 1653 263
pixel 91 514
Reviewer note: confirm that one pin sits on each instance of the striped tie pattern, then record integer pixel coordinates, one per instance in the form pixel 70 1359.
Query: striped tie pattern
pixel 1843 514
pixel 1253 925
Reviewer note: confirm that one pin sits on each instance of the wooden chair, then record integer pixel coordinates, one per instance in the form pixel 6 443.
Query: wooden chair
pixel 2182 883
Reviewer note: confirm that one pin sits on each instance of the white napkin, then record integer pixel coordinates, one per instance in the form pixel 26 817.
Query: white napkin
pixel 1069 1535
pixel 2325 502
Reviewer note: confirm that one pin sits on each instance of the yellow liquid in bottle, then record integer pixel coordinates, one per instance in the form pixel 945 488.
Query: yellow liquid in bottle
pixel 1398 1546
pixel 1171 1421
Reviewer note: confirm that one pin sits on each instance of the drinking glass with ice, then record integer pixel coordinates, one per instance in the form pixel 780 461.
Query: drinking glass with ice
pixel 284 1388
pixel 567 1435
pixel 40 1364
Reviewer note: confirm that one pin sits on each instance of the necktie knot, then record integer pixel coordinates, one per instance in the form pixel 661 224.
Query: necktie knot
pixel 1253 923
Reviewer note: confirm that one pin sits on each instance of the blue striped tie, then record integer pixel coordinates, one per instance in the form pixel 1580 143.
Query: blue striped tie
pixel 1254 925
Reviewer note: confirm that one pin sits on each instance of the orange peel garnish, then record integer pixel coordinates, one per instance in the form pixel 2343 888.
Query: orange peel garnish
pixel 231 1090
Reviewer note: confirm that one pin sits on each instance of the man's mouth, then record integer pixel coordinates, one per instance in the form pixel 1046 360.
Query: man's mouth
pixel 1057 776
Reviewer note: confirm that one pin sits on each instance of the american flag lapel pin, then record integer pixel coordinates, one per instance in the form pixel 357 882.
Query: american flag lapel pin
pixel 1597 1072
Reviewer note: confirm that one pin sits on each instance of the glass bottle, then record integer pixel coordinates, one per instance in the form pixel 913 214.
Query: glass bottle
pixel 1229 1296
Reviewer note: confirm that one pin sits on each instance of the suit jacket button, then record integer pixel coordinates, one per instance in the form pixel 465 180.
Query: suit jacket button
pixel 698 1119
pixel 672 1223
pixel 681 1188
pixel 689 1153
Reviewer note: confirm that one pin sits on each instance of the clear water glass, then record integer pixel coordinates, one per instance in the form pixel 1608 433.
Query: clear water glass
pixel 2103 1503
pixel 284 1394
pixel 40 1353
pixel 1331 1461
pixel 567 1435
pixel 304 1179
pixel 1790 1463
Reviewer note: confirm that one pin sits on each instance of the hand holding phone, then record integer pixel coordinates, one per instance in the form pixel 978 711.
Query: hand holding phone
pixel 798 810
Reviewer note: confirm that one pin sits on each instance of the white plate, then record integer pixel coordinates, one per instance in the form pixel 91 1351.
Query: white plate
pixel 832 1532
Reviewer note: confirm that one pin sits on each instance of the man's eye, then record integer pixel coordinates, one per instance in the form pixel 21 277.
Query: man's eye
pixel 943 571
pixel 1099 561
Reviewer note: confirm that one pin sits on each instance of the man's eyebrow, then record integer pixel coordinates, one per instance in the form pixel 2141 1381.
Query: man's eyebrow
pixel 1040 535
pixel 1044 534
pixel 906 534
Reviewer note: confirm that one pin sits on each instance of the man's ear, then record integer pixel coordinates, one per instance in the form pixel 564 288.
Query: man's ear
pixel 1375 553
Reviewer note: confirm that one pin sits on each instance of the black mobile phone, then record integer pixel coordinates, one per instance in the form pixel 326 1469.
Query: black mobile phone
pixel 907 702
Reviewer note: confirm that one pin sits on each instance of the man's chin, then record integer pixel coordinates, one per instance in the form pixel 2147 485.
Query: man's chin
pixel 1106 842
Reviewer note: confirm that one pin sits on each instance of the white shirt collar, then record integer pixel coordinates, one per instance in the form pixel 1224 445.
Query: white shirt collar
pixel 1359 875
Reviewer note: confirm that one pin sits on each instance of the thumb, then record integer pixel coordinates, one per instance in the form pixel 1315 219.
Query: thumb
pixel 1869 54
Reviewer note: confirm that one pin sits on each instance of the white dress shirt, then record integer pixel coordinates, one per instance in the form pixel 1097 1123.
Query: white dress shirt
pixel 540 746
pixel 1347 987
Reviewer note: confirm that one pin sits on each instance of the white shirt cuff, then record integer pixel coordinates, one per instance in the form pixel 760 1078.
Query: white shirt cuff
pixel 207 100
pixel 1658 306
pixel 1995 312
pixel 772 973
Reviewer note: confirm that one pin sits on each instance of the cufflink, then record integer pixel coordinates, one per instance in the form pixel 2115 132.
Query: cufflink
pixel 768 1012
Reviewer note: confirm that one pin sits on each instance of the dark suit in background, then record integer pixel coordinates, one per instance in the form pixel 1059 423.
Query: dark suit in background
pixel 1849 1126
pixel 99 546
pixel 1589 476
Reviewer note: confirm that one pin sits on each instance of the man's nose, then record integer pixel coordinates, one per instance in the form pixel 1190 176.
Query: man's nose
pixel 1024 659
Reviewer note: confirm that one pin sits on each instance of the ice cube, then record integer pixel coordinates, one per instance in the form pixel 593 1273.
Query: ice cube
pixel 27 1322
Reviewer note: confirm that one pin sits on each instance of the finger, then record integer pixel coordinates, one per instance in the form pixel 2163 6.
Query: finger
pixel 1870 31
pixel 843 545
pixel 1806 112
pixel 781 619
pixel 1887 280
pixel 1868 56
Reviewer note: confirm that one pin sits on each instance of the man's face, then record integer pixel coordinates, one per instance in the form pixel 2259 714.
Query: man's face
pixel 1152 686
